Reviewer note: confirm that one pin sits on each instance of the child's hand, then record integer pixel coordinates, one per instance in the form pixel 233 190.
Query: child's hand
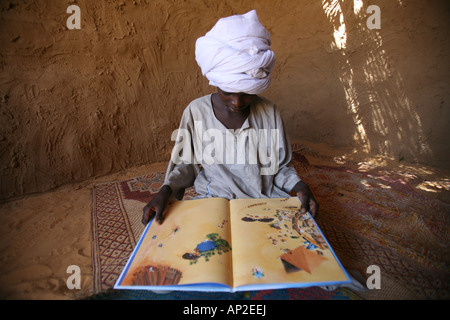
pixel 307 199
pixel 155 208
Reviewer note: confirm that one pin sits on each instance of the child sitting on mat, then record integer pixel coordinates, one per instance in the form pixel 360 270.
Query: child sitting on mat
pixel 232 143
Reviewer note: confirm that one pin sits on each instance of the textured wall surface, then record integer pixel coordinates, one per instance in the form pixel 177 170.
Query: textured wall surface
pixel 75 104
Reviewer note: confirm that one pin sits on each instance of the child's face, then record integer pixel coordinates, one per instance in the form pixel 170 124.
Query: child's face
pixel 236 102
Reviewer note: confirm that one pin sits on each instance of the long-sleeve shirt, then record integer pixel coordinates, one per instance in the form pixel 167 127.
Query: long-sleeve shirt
pixel 250 162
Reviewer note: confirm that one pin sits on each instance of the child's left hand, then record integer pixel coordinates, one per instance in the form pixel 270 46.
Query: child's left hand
pixel 307 199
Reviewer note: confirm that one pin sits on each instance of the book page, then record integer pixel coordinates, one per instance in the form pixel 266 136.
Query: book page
pixel 273 242
pixel 192 245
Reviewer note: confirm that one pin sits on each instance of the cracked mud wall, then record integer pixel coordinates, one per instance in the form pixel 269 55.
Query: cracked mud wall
pixel 77 104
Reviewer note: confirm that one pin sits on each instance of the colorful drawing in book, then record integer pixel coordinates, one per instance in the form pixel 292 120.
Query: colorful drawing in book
pixel 301 244
pixel 156 276
pixel 207 248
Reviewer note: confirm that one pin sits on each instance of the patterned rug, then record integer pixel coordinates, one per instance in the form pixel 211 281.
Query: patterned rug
pixel 369 215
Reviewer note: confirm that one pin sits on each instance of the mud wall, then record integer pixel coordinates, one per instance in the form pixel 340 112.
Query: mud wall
pixel 76 104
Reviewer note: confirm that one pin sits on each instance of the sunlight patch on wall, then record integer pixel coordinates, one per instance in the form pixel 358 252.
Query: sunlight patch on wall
pixel 351 97
pixel 385 119
pixel 333 11
pixel 357 6
pixel 392 114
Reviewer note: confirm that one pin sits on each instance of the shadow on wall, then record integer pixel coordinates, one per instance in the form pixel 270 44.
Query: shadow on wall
pixel 385 120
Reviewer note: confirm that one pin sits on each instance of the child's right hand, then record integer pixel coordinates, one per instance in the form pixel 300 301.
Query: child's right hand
pixel 155 208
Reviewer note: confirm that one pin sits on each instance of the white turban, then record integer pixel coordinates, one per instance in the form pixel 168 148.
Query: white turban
pixel 235 54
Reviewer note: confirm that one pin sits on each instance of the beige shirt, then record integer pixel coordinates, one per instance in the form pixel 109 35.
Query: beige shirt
pixel 251 162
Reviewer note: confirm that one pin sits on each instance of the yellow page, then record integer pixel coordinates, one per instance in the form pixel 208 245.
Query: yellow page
pixel 273 242
pixel 192 245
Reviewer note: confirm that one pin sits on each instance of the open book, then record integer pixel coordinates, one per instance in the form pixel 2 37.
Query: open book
pixel 239 245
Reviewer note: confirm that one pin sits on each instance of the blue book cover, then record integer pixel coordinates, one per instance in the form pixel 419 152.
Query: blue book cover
pixel 219 245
